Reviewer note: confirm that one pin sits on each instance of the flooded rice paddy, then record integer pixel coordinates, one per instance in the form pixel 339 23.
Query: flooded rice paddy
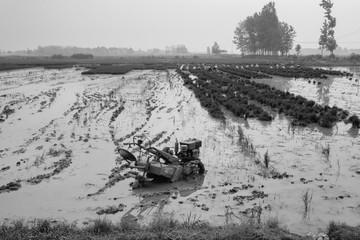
pixel 58 154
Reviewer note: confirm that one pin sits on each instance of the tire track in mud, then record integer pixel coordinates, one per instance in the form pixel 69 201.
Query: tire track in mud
pixel 91 107
pixel 166 139
pixel 51 94
pixel 117 173
pixel 114 177
pixel 23 147
pixel 115 114
pixel 58 167
pixel 88 101
pixel 83 102
pixel 13 105
pixel 149 112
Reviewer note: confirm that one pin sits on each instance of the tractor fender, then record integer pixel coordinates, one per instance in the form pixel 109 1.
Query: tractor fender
pixel 177 174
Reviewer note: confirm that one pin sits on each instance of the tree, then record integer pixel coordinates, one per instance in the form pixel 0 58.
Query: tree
pixel 267 26
pixel 331 44
pixel 263 33
pixel 241 37
pixel 323 36
pixel 245 37
pixel 287 34
pixel 215 48
pixel 208 50
pixel 327 40
pixel 297 49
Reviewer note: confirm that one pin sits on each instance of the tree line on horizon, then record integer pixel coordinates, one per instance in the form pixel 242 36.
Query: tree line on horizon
pixel 60 51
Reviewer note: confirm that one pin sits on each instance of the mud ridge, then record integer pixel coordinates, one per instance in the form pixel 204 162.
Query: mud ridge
pixel 58 167
pixel 11 186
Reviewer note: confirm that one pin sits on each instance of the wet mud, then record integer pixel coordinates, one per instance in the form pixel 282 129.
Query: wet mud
pixel 58 152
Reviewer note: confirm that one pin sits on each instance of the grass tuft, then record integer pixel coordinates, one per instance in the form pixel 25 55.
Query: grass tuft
pixel 101 226
pixel 43 225
pixel 273 223
pixel 162 222
pixel 191 220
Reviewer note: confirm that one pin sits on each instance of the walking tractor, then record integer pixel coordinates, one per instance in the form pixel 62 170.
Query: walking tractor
pixel 170 164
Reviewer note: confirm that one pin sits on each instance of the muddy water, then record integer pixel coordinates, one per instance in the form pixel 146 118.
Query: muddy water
pixel 60 114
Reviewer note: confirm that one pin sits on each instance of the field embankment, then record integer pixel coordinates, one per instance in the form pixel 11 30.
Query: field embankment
pixel 161 228
pixel 160 62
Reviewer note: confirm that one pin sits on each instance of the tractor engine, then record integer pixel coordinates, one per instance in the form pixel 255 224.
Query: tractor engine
pixel 189 150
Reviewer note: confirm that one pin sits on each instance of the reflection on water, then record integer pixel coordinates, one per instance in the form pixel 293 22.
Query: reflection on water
pixel 323 91
pixel 337 91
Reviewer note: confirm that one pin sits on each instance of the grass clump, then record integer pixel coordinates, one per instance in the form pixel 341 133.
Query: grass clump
pixel 342 231
pixel 101 227
pixel 163 222
pixel 273 223
pixel 266 159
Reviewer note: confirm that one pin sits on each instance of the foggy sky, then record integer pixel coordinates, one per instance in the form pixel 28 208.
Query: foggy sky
pixel 145 24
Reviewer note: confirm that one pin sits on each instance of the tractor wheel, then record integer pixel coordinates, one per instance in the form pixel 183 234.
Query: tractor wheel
pixel 201 168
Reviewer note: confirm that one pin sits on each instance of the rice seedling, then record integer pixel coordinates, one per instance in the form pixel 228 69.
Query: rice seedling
pixel 39 160
pixel 326 151
pixel 241 133
pixel 266 159
pixel 307 198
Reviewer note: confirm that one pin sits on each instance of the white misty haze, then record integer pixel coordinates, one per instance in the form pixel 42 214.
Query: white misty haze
pixel 145 24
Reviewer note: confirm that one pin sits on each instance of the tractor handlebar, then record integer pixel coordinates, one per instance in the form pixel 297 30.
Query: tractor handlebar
pixel 139 141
